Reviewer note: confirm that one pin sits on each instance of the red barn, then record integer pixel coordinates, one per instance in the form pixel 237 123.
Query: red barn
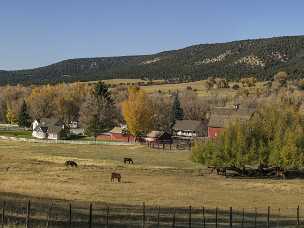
pixel 117 134
pixel 221 117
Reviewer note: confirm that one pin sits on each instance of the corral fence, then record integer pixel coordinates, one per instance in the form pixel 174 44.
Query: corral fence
pixel 57 215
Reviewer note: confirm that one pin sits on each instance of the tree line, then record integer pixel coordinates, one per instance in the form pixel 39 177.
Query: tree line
pixel 274 136
pixel 98 107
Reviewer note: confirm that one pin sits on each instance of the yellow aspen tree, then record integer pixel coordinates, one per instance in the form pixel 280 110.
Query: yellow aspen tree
pixel 137 111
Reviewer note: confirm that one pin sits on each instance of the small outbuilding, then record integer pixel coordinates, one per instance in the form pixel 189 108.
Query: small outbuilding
pixel 159 136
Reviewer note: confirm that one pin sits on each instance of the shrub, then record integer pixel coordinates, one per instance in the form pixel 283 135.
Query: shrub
pixel 235 87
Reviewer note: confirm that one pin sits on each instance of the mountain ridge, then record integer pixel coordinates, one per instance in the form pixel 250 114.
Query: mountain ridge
pixel 232 60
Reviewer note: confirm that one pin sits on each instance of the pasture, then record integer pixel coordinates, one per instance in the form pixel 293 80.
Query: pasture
pixel 164 178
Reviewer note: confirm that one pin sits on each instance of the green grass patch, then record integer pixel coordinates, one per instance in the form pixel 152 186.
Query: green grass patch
pixel 18 134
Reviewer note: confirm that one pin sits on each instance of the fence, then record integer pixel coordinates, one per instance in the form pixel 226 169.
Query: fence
pixel 77 142
pixel 57 215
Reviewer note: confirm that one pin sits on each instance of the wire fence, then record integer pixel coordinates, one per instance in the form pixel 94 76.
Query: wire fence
pixel 15 214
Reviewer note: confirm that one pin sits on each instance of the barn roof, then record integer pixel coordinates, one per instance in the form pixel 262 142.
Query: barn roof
pixel 221 117
pixel 186 125
pixel 155 134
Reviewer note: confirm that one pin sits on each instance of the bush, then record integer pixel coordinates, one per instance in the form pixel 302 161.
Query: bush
pixel 281 78
pixel 300 84
pixel 235 87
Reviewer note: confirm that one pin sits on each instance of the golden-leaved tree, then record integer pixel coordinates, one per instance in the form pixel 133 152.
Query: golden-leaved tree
pixel 137 111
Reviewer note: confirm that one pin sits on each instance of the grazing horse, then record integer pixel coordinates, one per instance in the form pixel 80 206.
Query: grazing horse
pixel 129 160
pixel 211 169
pixel 71 163
pixel 115 176
pixel 221 171
pixel 280 172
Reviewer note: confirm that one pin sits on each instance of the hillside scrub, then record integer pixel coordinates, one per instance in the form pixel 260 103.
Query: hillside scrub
pixel 274 136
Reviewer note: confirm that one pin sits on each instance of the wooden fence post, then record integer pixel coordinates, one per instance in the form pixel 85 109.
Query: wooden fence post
pixel 298 215
pixel 278 217
pixel 107 217
pixel 173 218
pixel 204 218
pixel 143 215
pixel 255 217
pixel 190 219
pixel 49 216
pixel 230 217
pixel 3 214
pixel 268 217
pixel 243 217
pixel 28 214
pixel 70 215
pixel 158 217
pixel 90 217
pixel 216 217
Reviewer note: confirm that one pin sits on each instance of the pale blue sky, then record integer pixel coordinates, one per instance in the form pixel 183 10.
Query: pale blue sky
pixel 37 32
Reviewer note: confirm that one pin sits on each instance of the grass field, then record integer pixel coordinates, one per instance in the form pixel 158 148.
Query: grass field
pixel 14 133
pixel 158 178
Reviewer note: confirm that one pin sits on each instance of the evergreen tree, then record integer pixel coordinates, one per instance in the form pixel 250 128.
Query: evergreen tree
pixel 24 119
pixel 177 112
pixel 98 113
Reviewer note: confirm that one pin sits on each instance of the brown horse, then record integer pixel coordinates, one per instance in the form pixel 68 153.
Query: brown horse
pixel 115 176
pixel 129 160
pixel 71 163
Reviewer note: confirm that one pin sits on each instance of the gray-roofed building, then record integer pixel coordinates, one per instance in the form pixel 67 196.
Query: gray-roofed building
pixel 50 128
pixel 190 128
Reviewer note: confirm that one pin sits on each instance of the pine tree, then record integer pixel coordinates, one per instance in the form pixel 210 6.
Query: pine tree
pixel 24 119
pixel 177 112
pixel 98 112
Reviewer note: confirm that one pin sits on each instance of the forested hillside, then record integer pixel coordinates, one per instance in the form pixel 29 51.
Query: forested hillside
pixel 261 58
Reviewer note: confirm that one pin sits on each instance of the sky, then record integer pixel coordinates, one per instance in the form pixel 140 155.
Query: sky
pixel 38 32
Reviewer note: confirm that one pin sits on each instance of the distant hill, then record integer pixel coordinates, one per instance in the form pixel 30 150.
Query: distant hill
pixel 261 58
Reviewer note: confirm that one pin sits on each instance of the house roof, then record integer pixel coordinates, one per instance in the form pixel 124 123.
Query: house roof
pixel 117 130
pixel 221 117
pixel 51 122
pixel 54 129
pixel 187 125
pixel 39 127
pixel 155 134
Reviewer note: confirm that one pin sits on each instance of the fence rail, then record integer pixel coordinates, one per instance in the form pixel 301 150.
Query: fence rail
pixel 77 142
pixel 57 215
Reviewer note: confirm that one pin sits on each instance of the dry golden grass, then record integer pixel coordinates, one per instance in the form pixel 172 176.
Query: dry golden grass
pixel 158 178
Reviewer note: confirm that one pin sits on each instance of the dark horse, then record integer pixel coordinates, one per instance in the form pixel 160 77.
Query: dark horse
pixel 71 163
pixel 129 160
pixel 115 176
